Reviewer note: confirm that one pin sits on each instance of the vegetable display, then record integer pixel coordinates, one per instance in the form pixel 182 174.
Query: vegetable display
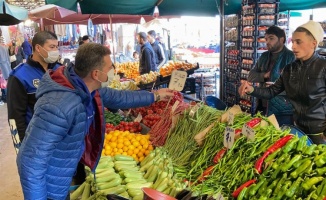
pixel 114 118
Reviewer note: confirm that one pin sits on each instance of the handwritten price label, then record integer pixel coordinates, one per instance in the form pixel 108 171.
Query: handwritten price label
pixel 138 118
pixel 248 132
pixel 219 197
pixel 121 112
pixel 231 118
pixel 194 110
pixel 228 137
pixel 175 105
pixel 178 80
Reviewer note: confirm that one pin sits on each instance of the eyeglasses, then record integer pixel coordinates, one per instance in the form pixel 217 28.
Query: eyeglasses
pixel 113 66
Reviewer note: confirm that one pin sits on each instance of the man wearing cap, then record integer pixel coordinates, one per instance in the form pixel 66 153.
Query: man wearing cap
pixel 268 69
pixel 304 83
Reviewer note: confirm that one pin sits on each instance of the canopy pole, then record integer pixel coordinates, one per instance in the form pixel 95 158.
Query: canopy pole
pixel 222 49
pixel 111 27
pixel 42 24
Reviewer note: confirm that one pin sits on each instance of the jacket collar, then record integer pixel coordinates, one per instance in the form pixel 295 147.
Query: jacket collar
pixel 36 64
pixel 311 59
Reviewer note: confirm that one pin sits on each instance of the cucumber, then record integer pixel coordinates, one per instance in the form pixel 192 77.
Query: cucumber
pixel 107 185
pixel 123 158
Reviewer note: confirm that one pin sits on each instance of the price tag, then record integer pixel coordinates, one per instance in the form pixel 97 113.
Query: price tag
pixel 228 137
pixel 121 112
pixel 219 197
pixel 248 132
pixel 178 80
pixel 138 118
pixel 194 110
pixel 231 118
pixel 175 105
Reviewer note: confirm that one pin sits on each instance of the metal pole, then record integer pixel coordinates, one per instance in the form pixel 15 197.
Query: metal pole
pixel 222 49
pixel 42 24
pixel 112 36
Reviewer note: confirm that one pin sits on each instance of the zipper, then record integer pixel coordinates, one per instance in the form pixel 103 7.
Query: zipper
pixel 303 85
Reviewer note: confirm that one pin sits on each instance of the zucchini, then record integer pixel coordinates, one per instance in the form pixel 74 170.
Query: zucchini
pixel 153 175
pixel 98 171
pixel 121 167
pixel 132 174
pixel 139 197
pixel 134 192
pixel 139 180
pixel 78 192
pixel 113 190
pixel 138 185
pixel 124 195
pixel 107 185
pixel 104 179
pixel 130 163
pixel 87 192
pixel 105 174
pixel 123 158
pixel 163 185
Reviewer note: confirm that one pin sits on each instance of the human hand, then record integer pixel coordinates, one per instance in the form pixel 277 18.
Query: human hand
pixel 269 84
pixel 164 94
pixel 245 88
pixel 267 75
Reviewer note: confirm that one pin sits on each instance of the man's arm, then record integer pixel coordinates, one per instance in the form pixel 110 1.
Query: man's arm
pixel 162 58
pixel 256 75
pixel 47 128
pixel 269 92
pixel 17 104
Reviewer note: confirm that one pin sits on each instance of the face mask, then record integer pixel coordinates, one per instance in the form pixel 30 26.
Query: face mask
pixel 110 79
pixel 53 56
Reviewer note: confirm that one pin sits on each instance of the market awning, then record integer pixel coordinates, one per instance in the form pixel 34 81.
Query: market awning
pixel 11 15
pixel 173 7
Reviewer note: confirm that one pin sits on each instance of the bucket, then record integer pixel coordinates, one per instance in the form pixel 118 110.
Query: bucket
pixel 151 194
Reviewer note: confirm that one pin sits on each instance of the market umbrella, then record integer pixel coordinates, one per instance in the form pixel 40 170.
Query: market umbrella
pixel 11 15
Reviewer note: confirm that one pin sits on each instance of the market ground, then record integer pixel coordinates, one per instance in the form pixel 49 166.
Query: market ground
pixel 10 188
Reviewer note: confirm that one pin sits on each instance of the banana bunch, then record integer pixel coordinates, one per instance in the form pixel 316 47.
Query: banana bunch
pixel 147 78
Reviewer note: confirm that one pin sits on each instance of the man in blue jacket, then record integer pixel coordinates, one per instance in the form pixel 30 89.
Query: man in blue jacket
pixel 268 69
pixel 68 123
pixel 147 60
pixel 24 81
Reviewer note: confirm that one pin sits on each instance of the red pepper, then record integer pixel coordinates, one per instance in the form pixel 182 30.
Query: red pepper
pixel 252 123
pixel 278 144
pixel 206 173
pixel 237 131
pixel 219 155
pixel 236 193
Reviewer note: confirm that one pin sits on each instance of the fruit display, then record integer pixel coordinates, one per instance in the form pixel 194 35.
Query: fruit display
pixel 125 85
pixel 146 78
pixel 114 118
pixel 126 143
pixel 129 69
pixel 167 69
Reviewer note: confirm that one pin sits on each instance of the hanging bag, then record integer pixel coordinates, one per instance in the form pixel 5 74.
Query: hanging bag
pixel 3 82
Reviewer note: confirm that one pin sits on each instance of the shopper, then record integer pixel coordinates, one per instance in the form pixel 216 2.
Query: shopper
pixel 27 47
pixel 147 56
pixel 24 80
pixel 68 123
pixel 160 58
pixel 268 69
pixel 5 69
pixel 12 55
pixel 304 83
pixel 135 56
pixel 20 55
pixel 85 39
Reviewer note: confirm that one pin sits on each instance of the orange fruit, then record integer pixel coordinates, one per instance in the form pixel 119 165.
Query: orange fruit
pixel 141 159
pixel 131 147
pixel 150 147
pixel 135 144
pixel 140 147
pixel 113 144
pixel 136 151
pixel 124 153
pixel 142 141
pixel 143 150
pixel 130 152
pixel 125 148
pixel 147 136
pixel 133 140
pixel 115 150
pixel 126 143
pixel 107 152
pixel 147 152
pixel 140 154
pixel 145 146
pixel 120 146
pixel 138 138
pixel 107 147
pixel 114 138
pixel 134 156
pixel 120 151
pixel 129 137
pixel 116 133
pixel 120 139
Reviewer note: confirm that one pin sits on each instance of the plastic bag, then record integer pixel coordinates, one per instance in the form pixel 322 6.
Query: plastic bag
pixel 3 82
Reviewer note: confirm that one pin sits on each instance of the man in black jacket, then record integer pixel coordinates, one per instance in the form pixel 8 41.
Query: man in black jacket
pixel 147 55
pixel 158 49
pixel 304 83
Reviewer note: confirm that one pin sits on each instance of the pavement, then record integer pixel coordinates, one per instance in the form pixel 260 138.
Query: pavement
pixel 10 188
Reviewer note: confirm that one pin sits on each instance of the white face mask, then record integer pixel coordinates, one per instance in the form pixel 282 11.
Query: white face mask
pixel 110 79
pixel 53 56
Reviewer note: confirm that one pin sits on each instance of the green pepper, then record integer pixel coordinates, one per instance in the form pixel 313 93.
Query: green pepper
pixel 291 191
pixel 287 166
pixel 263 188
pixel 273 184
pixel 253 191
pixel 290 145
pixel 266 195
pixel 302 142
pixel 300 169
pixel 275 165
pixel 248 192
pixel 320 159
pixel 280 184
pixel 310 150
pixel 321 147
pixel 282 158
pixel 272 156
pixel 308 183
pixel 300 162
pixel 242 193
pixel 283 190
pixel 321 171
pixel 321 190
pixel 310 195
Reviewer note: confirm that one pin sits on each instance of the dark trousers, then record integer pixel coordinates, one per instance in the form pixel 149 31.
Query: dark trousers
pixel 4 95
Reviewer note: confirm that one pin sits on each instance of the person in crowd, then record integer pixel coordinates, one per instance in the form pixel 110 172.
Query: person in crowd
pixel 85 39
pixel 268 69
pixel 304 83
pixel 20 55
pixel 158 49
pixel 68 124
pixel 166 52
pixel 5 69
pixel 135 56
pixel 12 55
pixel 24 81
pixel 147 61
pixel 27 47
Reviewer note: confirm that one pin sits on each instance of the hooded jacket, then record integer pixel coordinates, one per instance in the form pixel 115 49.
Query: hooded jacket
pixel 305 86
pixel 147 60
pixel 58 135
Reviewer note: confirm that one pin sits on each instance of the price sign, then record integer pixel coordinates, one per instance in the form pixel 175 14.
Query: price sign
pixel 178 80
pixel 248 132
pixel 175 105
pixel 231 118
pixel 194 110
pixel 219 197
pixel 228 137
pixel 121 112
pixel 128 112
pixel 138 118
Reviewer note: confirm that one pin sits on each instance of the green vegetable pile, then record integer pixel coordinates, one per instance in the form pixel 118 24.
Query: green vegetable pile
pixel 296 171
pixel 114 118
